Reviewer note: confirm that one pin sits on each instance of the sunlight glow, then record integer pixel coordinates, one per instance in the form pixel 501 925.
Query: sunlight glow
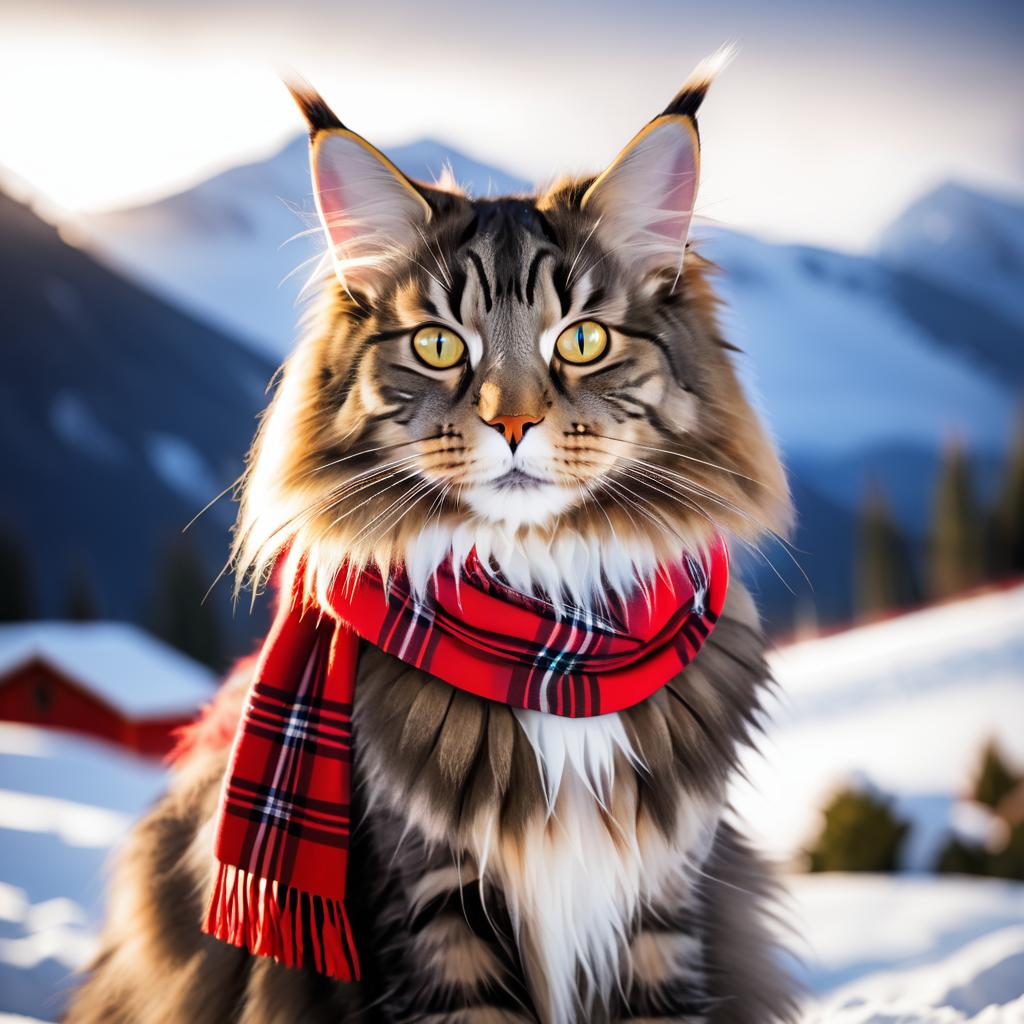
pixel 99 114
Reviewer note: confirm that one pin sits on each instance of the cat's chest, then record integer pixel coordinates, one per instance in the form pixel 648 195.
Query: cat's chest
pixel 553 812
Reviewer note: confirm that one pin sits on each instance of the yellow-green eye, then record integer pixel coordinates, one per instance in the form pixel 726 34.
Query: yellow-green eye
pixel 438 347
pixel 583 342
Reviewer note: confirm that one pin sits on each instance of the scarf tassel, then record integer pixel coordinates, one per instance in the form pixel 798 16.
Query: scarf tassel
pixel 296 928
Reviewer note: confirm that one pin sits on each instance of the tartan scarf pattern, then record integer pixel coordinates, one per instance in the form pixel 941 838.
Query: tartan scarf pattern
pixel 284 819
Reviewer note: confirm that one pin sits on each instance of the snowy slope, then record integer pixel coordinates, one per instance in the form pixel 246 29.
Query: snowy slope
pixel 228 248
pixel 904 705
pixel 896 950
pixel 120 418
pixel 65 801
pixel 969 242
pixel 842 366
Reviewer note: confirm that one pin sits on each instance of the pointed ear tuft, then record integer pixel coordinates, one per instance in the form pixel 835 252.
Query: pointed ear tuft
pixel 644 200
pixel 687 101
pixel 371 213
pixel 314 107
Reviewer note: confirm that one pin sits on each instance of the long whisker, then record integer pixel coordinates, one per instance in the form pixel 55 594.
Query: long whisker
pixel 750 545
pixel 376 494
pixel 213 501
pixel 419 490
pixel 684 455
pixel 673 479
pixel 370 451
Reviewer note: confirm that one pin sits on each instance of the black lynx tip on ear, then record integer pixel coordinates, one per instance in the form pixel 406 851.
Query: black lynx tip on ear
pixel 688 100
pixel 314 108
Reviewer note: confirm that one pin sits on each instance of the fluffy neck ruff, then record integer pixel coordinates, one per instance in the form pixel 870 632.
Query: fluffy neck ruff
pixel 568 569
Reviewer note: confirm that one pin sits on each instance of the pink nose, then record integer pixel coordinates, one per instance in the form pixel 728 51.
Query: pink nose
pixel 513 428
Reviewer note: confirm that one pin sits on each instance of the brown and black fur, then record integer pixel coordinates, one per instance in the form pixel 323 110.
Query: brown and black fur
pixel 452 750
pixel 449 790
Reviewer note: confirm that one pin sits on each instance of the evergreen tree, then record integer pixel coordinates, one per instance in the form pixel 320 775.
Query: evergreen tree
pixel 80 601
pixel 183 618
pixel 956 545
pixel 16 603
pixel 1008 862
pixel 885 574
pixel 995 779
pixel 860 833
pixel 961 858
pixel 1007 527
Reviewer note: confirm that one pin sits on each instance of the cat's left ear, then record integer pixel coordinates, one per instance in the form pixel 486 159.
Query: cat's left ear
pixel 370 211
pixel 644 200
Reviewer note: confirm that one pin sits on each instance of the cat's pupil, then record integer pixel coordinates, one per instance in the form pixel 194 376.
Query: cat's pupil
pixel 440 344
pixel 579 338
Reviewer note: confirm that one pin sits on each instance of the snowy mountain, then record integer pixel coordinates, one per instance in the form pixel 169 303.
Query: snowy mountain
pixel 971 245
pixel 120 418
pixel 864 366
pixel 843 362
pixel 231 249
pixel 857 380
pixel 903 703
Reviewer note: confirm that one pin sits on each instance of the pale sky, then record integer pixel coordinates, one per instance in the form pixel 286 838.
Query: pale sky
pixel 830 120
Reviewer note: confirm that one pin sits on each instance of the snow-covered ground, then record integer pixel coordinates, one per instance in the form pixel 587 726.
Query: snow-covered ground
pixel 65 801
pixel 903 704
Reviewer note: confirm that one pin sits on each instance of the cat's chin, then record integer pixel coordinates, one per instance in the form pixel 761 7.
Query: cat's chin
pixel 524 501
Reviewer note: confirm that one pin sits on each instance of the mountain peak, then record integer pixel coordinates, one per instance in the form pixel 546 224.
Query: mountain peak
pixel 965 240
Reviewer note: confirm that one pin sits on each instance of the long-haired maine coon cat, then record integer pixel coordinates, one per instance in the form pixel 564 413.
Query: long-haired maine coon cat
pixel 537 384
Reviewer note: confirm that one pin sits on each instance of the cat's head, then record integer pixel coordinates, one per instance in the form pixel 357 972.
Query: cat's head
pixel 541 376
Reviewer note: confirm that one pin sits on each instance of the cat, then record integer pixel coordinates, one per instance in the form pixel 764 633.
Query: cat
pixel 541 378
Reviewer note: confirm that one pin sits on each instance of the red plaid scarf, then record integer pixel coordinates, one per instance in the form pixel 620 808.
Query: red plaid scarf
pixel 283 831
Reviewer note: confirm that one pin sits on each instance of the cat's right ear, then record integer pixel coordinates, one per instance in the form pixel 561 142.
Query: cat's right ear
pixel 369 210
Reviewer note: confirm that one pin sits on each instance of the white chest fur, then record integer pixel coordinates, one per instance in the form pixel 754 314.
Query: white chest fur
pixel 577 880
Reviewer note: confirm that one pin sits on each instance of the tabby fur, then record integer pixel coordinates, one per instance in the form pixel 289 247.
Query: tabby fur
pixel 507 866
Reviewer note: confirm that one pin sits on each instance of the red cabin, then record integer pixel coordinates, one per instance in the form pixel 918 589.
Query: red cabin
pixel 110 680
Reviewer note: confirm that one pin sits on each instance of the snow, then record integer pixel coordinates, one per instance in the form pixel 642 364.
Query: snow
pixel 903 704
pixel 959 945
pixel 181 466
pixel 66 802
pixel 835 358
pixel 76 425
pixel 120 663
pixel 966 241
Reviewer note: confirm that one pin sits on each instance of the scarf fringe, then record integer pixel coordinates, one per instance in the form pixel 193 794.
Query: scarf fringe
pixel 296 928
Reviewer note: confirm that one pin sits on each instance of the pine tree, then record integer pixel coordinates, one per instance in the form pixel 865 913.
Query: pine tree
pixel 1007 526
pixel 860 833
pixel 183 618
pixel 995 779
pixel 956 545
pixel 886 577
pixel 958 857
pixel 16 602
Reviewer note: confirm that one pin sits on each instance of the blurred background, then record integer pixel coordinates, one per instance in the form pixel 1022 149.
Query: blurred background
pixel 863 194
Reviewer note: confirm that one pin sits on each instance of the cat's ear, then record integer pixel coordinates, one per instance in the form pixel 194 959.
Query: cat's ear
pixel 369 210
pixel 644 200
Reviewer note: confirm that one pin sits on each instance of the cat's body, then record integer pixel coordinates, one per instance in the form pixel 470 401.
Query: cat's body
pixel 507 865
pixel 639 885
